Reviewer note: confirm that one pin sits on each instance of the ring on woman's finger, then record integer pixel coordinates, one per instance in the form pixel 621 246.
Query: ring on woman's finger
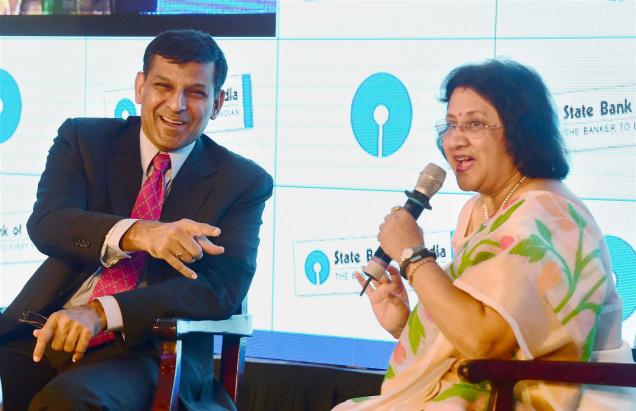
pixel 376 283
pixel 395 209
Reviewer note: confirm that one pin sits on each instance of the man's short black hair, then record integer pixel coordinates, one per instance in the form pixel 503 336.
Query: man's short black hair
pixel 525 107
pixel 186 46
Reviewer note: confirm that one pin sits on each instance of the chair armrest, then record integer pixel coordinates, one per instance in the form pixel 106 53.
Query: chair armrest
pixel 173 328
pixel 573 372
pixel 504 374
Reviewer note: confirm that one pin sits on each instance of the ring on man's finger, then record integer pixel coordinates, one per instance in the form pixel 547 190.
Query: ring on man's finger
pixel 178 253
pixel 395 209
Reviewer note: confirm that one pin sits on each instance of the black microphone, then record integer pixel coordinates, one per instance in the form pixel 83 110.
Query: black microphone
pixel 429 182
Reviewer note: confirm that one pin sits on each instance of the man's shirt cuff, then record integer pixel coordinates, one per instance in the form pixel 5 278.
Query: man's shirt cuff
pixel 114 320
pixel 111 253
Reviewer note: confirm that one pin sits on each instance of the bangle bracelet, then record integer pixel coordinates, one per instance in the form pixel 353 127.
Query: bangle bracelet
pixel 415 267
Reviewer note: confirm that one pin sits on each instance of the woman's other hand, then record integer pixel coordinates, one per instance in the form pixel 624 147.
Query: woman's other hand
pixel 389 301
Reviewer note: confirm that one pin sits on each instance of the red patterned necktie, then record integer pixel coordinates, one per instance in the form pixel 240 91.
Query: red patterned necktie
pixel 123 275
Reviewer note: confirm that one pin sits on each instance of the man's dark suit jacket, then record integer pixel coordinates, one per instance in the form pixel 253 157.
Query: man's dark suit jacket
pixel 92 177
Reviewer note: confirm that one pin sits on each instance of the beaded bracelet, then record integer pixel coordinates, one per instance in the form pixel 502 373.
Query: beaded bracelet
pixel 410 271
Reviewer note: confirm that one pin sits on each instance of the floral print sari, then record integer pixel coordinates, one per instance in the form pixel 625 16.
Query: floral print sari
pixel 542 264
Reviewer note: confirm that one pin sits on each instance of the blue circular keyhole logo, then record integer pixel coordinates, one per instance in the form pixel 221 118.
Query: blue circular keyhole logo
pixel 317 267
pixel 381 114
pixel 10 105
pixel 125 107
pixel 623 259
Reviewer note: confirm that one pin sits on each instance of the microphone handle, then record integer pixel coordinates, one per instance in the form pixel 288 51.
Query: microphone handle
pixel 415 204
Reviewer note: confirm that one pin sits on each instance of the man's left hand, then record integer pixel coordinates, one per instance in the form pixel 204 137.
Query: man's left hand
pixel 70 330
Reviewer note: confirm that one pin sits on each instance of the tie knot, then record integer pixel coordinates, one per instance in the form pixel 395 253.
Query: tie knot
pixel 161 162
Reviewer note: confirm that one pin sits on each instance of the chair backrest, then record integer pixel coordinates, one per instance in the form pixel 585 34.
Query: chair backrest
pixel 607 398
pixel 233 332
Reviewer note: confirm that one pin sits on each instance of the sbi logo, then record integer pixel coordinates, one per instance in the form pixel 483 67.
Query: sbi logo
pixel 381 114
pixel 317 267
pixel 125 107
pixel 10 105
pixel 623 259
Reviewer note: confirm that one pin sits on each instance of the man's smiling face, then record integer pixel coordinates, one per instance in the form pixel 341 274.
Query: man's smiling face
pixel 177 101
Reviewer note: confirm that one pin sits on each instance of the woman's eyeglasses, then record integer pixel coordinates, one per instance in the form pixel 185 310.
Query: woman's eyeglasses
pixel 33 318
pixel 472 128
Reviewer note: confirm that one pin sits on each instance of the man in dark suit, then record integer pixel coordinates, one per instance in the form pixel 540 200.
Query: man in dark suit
pixel 197 260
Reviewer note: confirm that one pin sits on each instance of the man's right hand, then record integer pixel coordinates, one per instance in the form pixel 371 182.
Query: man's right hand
pixel 178 243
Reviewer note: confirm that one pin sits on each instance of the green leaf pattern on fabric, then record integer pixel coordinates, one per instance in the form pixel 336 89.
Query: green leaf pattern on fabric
pixel 453 272
pixel 535 248
pixel 482 256
pixel 505 216
pixel 466 261
pixel 467 391
pixel 588 346
pixel 416 330
pixel 580 221
pixel 389 373
pixel 544 231
pixel 360 399
pixel 532 247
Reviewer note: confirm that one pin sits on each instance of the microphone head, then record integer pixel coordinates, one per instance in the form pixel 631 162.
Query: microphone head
pixel 430 180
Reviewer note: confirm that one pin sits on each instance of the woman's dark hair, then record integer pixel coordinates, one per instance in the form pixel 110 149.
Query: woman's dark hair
pixel 525 107
pixel 186 46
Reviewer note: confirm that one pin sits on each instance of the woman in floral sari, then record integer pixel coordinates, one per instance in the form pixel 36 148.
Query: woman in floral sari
pixel 530 278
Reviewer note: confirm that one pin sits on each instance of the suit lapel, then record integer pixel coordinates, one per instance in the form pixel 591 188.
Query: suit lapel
pixel 190 188
pixel 124 161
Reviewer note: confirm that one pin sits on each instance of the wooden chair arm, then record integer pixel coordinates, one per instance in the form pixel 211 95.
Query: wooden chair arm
pixel 573 372
pixel 504 374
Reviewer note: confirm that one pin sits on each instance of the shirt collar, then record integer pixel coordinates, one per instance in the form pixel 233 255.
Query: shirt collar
pixel 149 151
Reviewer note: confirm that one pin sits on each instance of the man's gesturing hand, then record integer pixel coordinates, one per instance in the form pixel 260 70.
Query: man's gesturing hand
pixel 178 243
pixel 70 330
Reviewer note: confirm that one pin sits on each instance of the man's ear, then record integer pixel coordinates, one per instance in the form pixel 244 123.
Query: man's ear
pixel 218 103
pixel 139 87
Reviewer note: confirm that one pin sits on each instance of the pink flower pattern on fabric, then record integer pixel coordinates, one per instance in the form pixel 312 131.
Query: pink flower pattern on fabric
pixel 399 353
pixel 506 241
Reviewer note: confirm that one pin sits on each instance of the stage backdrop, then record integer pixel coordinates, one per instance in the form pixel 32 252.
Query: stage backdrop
pixel 305 78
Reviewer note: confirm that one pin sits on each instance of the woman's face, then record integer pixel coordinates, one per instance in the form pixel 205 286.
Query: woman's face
pixel 478 158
